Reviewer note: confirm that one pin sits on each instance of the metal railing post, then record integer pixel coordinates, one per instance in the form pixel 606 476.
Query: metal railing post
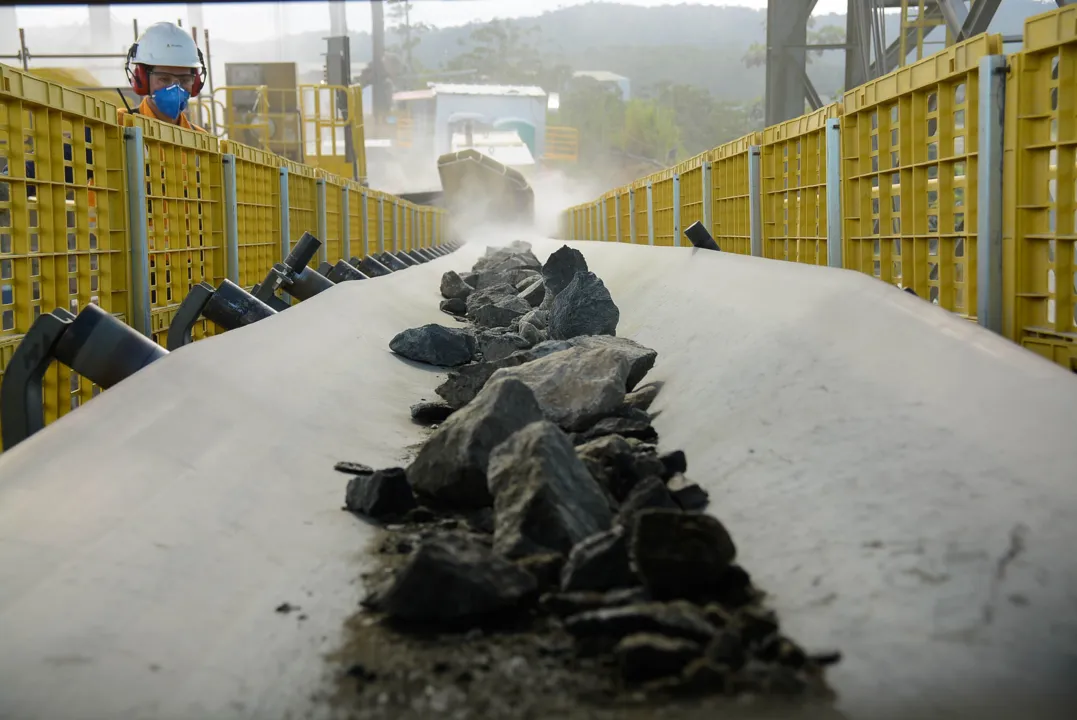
pixel 285 219
pixel 363 218
pixel 231 219
pixel 989 298
pixel 834 255
pixel 323 222
pixel 676 210
pixel 650 214
pixel 138 227
pixel 381 225
pixel 755 201
pixel 345 225
pixel 708 204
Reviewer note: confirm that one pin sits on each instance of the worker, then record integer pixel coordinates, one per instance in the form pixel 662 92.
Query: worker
pixel 166 69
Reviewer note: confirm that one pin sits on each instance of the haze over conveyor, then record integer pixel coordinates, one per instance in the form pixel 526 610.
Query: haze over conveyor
pixel 897 478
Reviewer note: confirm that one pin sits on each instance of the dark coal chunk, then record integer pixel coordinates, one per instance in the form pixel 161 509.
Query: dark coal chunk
pixel 677 619
pixel 703 677
pixel 674 462
pixel 450 469
pixel 643 398
pixel 691 497
pixel 353 468
pixel 561 267
pixel 431 413
pixel 481 520
pixel 616 465
pixel 649 494
pixel 544 498
pixel 510 270
pixel 452 578
pixel 435 345
pixel 455 307
pixel 534 293
pixel 585 307
pixel 382 494
pixel 496 346
pixel 420 515
pixel 646 656
pixel 575 387
pixel 599 563
pixel 453 287
pixel 499 312
pixel 574 603
pixel 756 623
pixel 625 427
pixel 489 295
pixel 727 648
pixel 545 567
pixel 678 554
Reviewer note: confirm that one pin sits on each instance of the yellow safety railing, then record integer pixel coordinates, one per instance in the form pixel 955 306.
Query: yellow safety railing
pixel 906 174
pixel 65 233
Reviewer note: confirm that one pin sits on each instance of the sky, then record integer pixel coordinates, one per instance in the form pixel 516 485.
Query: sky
pixel 260 21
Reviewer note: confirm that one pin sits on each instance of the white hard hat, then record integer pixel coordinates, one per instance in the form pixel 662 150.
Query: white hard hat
pixel 166 45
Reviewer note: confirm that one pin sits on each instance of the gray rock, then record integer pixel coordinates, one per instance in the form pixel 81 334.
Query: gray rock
pixel 538 318
pixel 561 267
pixel 496 346
pixel 464 383
pixel 680 555
pixel 612 463
pixel 575 387
pixel 649 493
pixel 599 563
pixel 380 494
pixel 534 293
pixel 470 278
pixel 505 272
pixel 451 578
pixel 544 498
pixel 488 296
pixel 453 287
pixel 675 619
pixel 574 603
pixel 455 307
pixel 622 426
pixel 531 334
pixel 647 656
pixel 546 568
pixel 435 345
pixel 431 413
pixel 517 255
pixel 583 308
pixel 528 279
pixel 642 398
pixel 641 358
pixel 450 469
pixel 500 313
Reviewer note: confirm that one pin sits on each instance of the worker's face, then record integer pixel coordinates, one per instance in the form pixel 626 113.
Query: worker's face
pixel 164 76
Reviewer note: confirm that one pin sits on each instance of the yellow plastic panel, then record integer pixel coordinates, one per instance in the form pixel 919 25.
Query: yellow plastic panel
pixel 184 201
pixel 1040 201
pixel 731 210
pixel 642 230
pixel 302 203
pixel 624 212
pixel 387 222
pixel 334 220
pixel 63 239
pixel 909 178
pixel 793 165
pixel 356 200
pixel 662 194
pixel 373 198
pixel 258 210
pixel 691 179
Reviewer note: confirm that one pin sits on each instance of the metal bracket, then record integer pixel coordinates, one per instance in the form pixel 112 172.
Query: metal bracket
pixel 228 307
pixel 138 231
pixel 94 344
pixel 755 201
pixel 323 221
pixel 834 240
pixel 676 210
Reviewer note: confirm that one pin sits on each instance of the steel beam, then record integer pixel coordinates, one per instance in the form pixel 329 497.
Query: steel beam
pixel 954 13
pixel 980 16
pixel 787 58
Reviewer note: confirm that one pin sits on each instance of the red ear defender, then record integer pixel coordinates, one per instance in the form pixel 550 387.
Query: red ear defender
pixel 139 78
pixel 200 77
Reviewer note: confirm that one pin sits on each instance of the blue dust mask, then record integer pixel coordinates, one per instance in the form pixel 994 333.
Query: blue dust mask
pixel 171 101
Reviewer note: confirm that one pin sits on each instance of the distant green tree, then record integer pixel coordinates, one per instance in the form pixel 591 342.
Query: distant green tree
pixel 501 52
pixel 650 131
pixel 597 111
pixel 408 34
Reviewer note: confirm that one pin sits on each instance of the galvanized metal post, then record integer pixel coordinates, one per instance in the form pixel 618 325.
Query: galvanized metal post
pixel 755 201
pixel 285 220
pixel 708 203
pixel 139 232
pixel 323 223
pixel 345 225
pixel 650 214
pixel 631 216
pixel 231 219
pixel 381 224
pixel 989 302
pixel 396 227
pixel 605 220
pixel 676 210
pixel 366 224
pixel 833 194
pixel 617 217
